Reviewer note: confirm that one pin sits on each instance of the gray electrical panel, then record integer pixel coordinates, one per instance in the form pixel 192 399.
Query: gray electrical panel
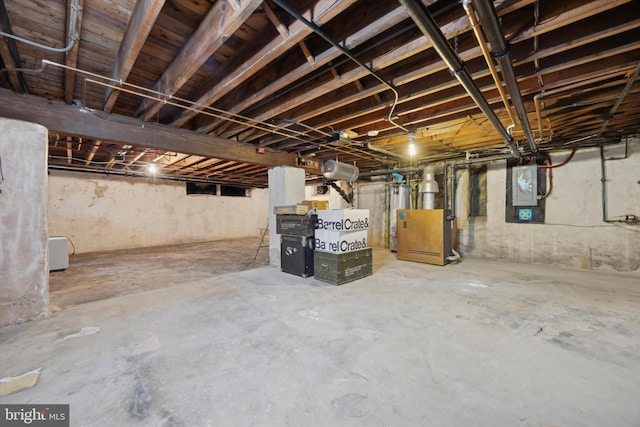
pixel 524 185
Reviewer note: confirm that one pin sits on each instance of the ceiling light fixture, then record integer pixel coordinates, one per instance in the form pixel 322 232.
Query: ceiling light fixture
pixel 412 143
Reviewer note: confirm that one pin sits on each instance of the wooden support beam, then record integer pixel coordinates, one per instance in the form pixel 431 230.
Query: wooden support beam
pixel 187 164
pixel 71 56
pixel 191 165
pixel 277 22
pixel 214 30
pixel 93 152
pixel 135 159
pixel 360 88
pixel 323 11
pixel 432 68
pixel 9 53
pixel 142 19
pixel 562 17
pixel 334 73
pixel 307 53
pixel 79 121
pixel 393 18
pixel 284 31
pixel 10 63
pixel 589 37
pixel 167 159
pixel 69 150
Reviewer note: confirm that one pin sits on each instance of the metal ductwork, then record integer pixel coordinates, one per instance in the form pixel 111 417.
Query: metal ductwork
pixel 425 22
pixel 500 52
pixel 333 169
pixel 429 188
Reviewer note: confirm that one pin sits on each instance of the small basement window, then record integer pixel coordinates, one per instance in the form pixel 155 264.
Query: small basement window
pixel 201 188
pixel 228 190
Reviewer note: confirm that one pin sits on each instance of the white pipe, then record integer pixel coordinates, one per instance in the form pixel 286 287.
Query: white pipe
pixel 453 258
pixel 74 20
pixel 168 99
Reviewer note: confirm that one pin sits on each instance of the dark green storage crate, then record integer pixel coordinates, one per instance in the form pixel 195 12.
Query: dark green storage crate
pixel 342 268
pixel 296 225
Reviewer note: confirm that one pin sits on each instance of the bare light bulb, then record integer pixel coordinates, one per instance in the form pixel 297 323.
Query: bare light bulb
pixel 412 143
pixel 152 169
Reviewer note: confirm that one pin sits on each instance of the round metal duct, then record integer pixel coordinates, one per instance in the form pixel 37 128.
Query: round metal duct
pixel 333 169
pixel 429 188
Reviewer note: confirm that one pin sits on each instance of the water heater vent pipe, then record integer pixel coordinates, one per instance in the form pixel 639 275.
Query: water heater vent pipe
pixel 429 188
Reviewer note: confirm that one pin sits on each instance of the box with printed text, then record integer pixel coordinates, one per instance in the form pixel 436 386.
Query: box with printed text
pixel 343 219
pixel 338 242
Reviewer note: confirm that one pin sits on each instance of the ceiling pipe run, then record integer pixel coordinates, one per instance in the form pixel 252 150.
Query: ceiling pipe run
pixel 430 29
pixel 73 36
pixel 487 55
pixel 625 91
pixel 347 53
pixel 377 149
pixel 538 99
pixel 500 52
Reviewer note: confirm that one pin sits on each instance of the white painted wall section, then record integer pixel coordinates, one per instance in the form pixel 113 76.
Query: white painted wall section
pixel 99 212
pixel 574 234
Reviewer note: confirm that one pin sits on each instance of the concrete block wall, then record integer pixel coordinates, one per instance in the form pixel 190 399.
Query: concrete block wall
pixel 24 268
pixel 98 212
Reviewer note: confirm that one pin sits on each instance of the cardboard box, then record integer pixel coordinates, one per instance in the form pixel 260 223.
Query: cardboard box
pixel 291 209
pixel 343 219
pixel 338 242
pixel 316 204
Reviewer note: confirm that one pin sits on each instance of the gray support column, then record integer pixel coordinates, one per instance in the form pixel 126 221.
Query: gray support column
pixel 286 187
pixel 24 267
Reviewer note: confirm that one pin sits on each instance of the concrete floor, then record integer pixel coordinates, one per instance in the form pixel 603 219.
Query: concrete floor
pixel 483 343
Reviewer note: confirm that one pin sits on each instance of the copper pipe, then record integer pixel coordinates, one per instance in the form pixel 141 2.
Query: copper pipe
pixel 482 41
pixel 168 102
pixel 536 103
pixel 428 26
pixel 623 94
pixel 225 115
pixel 500 51
pixel 537 99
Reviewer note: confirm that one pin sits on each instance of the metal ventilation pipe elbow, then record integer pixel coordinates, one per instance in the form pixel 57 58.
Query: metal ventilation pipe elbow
pixel 425 22
pixel 500 52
